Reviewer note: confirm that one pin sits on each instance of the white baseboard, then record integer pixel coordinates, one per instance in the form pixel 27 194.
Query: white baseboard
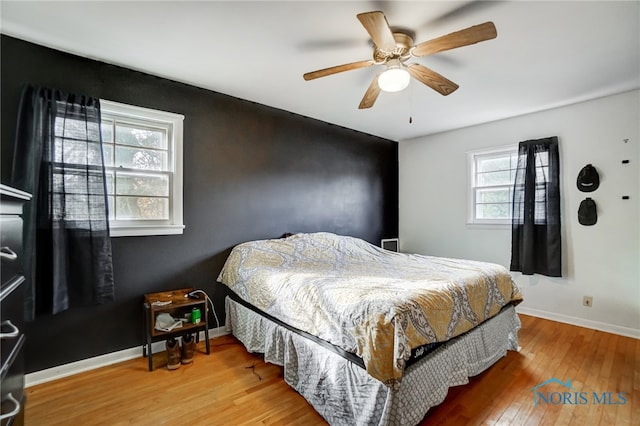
pixel 72 368
pixel 595 325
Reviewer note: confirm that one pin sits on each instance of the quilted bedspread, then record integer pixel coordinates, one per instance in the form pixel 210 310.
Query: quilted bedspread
pixel 368 301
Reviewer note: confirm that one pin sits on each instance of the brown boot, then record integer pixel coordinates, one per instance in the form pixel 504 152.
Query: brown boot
pixel 188 348
pixel 173 354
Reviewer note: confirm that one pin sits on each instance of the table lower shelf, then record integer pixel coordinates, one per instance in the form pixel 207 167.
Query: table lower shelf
pixel 178 332
pixel 159 359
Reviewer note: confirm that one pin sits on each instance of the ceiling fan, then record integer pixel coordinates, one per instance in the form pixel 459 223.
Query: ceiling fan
pixel 394 49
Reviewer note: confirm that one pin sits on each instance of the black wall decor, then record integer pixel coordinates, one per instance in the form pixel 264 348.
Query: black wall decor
pixel 251 172
pixel 588 212
pixel 588 179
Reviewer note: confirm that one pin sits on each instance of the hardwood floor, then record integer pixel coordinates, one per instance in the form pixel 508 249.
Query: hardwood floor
pixel 234 387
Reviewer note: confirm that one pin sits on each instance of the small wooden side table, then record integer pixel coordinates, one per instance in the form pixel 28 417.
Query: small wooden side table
pixel 178 305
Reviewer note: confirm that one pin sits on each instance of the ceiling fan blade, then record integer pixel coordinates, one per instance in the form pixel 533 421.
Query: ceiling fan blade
pixel 378 28
pixel 370 95
pixel 432 79
pixel 465 37
pixel 338 68
pixel 462 10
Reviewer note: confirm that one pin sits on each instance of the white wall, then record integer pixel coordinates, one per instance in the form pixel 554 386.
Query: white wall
pixel 602 261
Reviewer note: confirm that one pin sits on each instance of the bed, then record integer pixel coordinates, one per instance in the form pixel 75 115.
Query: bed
pixel 366 335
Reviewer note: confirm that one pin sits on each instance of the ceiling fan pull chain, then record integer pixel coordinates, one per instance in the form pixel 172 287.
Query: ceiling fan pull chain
pixel 410 103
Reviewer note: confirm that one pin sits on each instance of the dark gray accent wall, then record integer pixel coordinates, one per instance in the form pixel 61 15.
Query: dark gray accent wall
pixel 250 172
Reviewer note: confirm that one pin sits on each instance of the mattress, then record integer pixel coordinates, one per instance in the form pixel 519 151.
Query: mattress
pixel 379 305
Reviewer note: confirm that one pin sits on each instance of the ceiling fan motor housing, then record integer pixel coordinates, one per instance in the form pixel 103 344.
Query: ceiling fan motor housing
pixel 404 43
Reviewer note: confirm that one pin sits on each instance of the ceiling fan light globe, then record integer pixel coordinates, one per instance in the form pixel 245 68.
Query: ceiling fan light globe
pixel 394 80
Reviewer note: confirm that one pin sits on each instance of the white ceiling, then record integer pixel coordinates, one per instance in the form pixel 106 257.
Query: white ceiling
pixel 547 54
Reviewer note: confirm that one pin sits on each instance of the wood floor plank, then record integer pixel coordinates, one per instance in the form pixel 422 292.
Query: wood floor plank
pixel 232 387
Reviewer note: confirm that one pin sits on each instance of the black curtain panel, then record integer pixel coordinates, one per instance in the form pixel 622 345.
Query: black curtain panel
pixel 58 159
pixel 536 243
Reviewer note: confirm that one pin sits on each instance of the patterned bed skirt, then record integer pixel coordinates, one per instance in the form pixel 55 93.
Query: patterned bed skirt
pixel 344 394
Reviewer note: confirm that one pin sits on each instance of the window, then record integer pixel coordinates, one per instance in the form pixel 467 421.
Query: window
pixel 492 174
pixel 142 151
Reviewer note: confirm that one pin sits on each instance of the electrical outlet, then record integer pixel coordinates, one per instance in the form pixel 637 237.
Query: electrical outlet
pixel 587 301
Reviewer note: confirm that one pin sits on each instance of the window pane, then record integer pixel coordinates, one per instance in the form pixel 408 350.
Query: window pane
pixel 76 129
pixel 70 151
pixel 142 184
pixel 107 131
pixel 111 201
pixel 541 193
pixel 142 208
pixel 138 158
pixel 107 152
pixel 109 179
pixel 542 174
pixel 494 164
pixel 493 211
pixel 77 206
pixel 494 178
pixel 78 181
pixel 501 195
pixel 514 160
pixel 542 159
pixel 137 136
pixel 540 213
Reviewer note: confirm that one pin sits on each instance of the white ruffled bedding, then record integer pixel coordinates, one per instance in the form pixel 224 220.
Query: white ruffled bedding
pixel 344 394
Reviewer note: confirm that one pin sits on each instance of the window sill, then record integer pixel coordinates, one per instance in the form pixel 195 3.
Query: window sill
pixel 489 225
pixel 139 231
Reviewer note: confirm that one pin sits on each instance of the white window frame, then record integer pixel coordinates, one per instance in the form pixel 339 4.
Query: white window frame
pixel 173 123
pixel 472 157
